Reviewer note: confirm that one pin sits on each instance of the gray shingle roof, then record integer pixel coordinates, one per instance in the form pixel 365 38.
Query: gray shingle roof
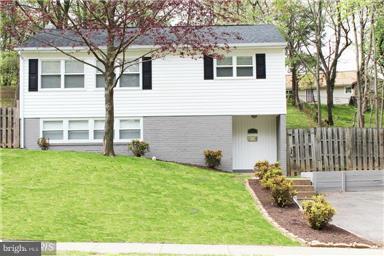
pixel 234 34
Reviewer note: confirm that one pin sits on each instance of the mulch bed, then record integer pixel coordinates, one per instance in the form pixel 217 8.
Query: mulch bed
pixel 292 219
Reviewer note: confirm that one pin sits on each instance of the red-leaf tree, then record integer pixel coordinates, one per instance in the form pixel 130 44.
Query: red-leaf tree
pixel 182 27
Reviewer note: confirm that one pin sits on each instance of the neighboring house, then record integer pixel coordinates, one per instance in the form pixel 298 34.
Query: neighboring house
pixel 341 95
pixel 180 106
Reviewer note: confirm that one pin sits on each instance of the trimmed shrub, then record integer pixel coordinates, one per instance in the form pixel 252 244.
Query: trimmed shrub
pixel 318 212
pixel 266 182
pixel 138 148
pixel 212 158
pixel 282 191
pixel 261 167
pixel 43 143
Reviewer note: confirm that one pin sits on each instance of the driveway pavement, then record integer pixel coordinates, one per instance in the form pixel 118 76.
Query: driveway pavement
pixel 361 213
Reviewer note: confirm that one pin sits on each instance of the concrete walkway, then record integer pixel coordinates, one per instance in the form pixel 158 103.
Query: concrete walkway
pixel 361 213
pixel 212 249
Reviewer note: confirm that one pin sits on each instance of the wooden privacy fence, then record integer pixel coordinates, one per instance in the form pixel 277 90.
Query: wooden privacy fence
pixel 9 127
pixel 335 149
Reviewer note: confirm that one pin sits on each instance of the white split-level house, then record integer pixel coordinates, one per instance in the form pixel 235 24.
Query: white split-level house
pixel 180 106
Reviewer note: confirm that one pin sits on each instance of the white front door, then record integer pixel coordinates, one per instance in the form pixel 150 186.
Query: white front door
pixel 254 139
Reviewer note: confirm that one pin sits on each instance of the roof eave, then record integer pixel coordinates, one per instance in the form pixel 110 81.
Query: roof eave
pixel 83 48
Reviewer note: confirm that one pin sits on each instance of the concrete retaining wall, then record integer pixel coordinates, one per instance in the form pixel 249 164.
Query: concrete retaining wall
pixel 346 180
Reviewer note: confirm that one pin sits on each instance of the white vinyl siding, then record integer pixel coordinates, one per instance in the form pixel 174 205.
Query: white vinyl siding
pixel 90 130
pixel 178 89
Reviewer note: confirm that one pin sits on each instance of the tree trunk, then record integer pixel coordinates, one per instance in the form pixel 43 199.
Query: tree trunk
pixel 295 87
pixel 330 102
pixel 109 113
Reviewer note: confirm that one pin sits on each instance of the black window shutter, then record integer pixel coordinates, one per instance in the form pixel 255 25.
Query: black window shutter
pixel 208 67
pixel 147 73
pixel 260 66
pixel 33 75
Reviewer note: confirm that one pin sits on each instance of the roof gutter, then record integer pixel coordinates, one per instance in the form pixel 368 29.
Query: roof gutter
pixel 83 48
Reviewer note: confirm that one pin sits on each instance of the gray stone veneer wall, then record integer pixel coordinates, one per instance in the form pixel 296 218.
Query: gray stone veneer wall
pixel 177 138
pixel 281 141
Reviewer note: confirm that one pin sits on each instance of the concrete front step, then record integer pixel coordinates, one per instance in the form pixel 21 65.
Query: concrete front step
pixel 301 181
pixel 301 195
pixel 304 188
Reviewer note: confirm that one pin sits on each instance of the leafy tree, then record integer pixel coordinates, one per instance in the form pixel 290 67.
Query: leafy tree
pixel 122 23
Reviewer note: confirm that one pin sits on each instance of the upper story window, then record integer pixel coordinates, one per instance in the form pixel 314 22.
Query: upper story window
pixel 62 74
pixel 244 66
pixel 50 74
pixel 235 66
pixel 224 67
pixel 100 82
pixel 74 74
pixel 131 76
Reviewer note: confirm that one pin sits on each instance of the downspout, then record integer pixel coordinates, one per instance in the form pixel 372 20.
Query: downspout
pixel 21 98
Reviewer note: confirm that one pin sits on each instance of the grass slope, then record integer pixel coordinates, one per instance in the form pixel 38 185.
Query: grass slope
pixel 298 119
pixel 343 116
pixel 70 196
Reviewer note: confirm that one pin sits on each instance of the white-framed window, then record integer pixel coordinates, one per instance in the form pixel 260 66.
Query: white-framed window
pixel 74 74
pixel 100 82
pixel 130 129
pixel 235 67
pixel 78 130
pixel 53 130
pixel 244 66
pixel 131 77
pixel 60 74
pixel 348 89
pixel 224 67
pixel 50 74
pixel 98 129
pixel 90 130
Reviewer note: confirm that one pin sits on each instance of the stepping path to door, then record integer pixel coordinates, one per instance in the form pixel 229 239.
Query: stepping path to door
pixel 196 249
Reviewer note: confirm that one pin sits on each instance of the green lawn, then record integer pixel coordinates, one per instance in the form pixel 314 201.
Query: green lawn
pixel 70 196
pixel 343 116
pixel 298 119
